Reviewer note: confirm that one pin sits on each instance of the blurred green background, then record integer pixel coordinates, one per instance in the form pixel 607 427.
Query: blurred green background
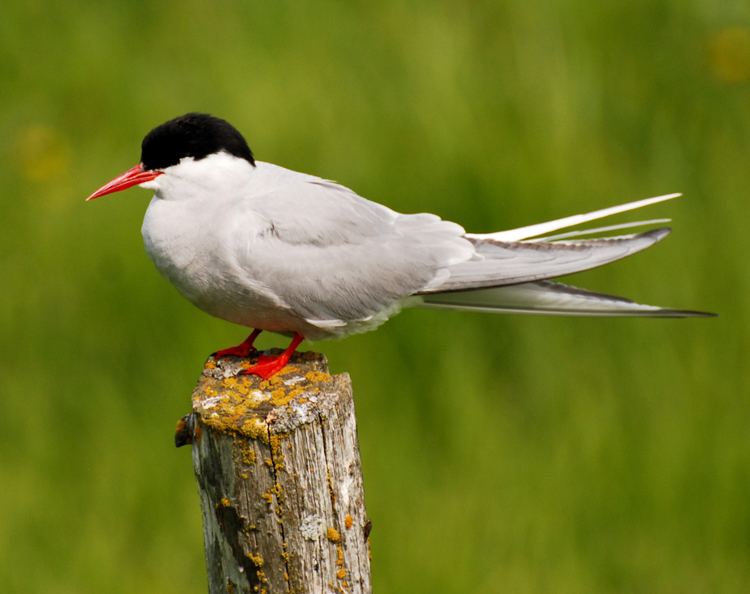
pixel 501 454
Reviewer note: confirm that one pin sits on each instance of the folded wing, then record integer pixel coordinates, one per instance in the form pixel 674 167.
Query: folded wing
pixel 498 263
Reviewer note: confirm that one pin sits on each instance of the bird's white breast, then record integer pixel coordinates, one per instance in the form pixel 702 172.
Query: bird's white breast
pixel 184 241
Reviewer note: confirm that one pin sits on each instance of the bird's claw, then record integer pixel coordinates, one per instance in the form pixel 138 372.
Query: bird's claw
pixel 267 366
pixel 237 351
pixel 241 350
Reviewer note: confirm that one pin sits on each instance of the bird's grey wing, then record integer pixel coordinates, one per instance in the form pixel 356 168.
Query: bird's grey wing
pixel 332 257
pixel 497 263
pixel 547 297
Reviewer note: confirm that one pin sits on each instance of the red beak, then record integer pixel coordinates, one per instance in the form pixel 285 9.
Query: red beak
pixel 132 177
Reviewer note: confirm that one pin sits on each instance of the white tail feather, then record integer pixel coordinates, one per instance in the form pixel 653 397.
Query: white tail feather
pixel 584 232
pixel 542 228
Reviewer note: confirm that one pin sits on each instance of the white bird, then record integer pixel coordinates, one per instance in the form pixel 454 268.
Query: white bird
pixel 273 249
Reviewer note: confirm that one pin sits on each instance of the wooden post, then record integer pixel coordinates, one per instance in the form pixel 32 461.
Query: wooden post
pixel 280 479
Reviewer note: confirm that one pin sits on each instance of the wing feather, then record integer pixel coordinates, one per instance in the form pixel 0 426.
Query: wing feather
pixel 504 263
pixel 547 297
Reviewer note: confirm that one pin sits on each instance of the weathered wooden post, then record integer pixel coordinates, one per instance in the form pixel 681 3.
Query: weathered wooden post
pixel 280 479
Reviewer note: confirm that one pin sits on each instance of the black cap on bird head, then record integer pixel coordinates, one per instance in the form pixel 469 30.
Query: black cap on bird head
pixel 195 135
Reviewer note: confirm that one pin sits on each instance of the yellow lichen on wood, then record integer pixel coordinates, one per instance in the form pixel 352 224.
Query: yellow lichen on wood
pixel 348 522
pixel 340 560
pixel 333 534
pixel 248 455
pixel 229 382
pixel 280 397
pixel 318 376
pixel 256 429
pixel 255 559
pixel 276 451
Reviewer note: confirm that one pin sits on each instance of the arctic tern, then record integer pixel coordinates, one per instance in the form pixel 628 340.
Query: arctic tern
pixel 286 252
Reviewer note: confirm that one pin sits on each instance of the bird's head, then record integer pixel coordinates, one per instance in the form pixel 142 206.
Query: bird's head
pixel 187 156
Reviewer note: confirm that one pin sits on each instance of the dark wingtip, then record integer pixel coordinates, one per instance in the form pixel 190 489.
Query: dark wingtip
pixel 686 313
pixel 657 234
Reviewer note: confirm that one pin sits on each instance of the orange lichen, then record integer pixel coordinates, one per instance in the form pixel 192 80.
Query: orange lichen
pixel 348 522
pixel 330 486
pixel 248 455
pixel 276 451
pixel 268 497
pixel 256 429
pixel 341 574
pixel 340 560
pixel 255 559
pixel 225 502
pixel 333 534
pixel 230 588
pixel 280 397
pixel 318 376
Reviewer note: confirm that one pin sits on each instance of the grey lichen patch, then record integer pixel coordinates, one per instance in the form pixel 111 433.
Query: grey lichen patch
pixel 230 402
pixel 311 527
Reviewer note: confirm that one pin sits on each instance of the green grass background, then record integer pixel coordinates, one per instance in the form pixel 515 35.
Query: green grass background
pixel 500 454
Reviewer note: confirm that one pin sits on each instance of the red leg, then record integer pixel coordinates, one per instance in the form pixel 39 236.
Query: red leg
pixel 241 350
pixel 268 366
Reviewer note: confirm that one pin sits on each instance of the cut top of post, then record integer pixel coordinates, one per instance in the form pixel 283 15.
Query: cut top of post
pixel 229 402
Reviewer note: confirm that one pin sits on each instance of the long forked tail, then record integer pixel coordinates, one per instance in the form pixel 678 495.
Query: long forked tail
pixel 510 270
pixel 551 298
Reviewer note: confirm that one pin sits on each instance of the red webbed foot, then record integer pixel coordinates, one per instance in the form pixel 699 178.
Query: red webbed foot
pixel 268 366
pixel 241 350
